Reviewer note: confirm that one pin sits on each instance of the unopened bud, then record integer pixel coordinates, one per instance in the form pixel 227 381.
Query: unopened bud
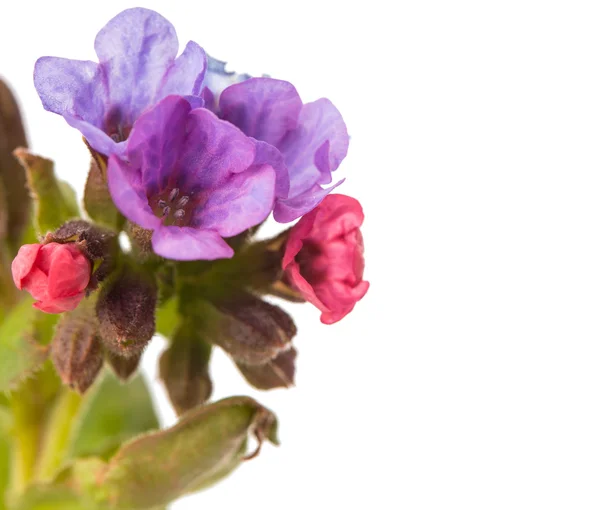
pixel 184 369
pixel 277 373
pixel 56 275
pixel 251 330
pixel 98 244
pixel 76 350
pixel 125 309
pixel 123 367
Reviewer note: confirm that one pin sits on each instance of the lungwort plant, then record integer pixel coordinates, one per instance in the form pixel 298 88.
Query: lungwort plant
pixel 187 160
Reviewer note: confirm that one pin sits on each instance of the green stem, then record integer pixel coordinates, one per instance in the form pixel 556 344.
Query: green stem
pixel 25 434
pixel 5 427
pixel 57 434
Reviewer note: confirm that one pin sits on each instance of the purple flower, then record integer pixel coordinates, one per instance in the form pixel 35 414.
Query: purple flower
pixel 217 79
pixel 312 137
pixel 136 51
pixel 193 179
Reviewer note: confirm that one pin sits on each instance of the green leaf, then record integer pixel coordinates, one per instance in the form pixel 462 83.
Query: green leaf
pixel 24 337
pixel 30 404
pixel 97 200
pixel 72 489
pixel 47 497
pixel 208 443
pixel 70 196
pixel 53 206
pixel 113 413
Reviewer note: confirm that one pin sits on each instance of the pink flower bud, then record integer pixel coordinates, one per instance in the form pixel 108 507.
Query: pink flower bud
pixel 56 275
pixel 324 257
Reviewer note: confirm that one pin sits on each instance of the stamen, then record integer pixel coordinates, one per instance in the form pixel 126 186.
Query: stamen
pixel 182 202
pixel 179 213
pixel 166 211
pixel 162 204
pixel 173 194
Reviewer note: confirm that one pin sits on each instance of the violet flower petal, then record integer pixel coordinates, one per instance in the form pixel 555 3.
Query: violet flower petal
pixel 156 141
pixel 126 190
pixel 263 108
pixel 135 49
pixel 316 148
pixel 290 209
pixel 97 138
pixel 73 87
pixel 213 150
pixel 186 243
pixel 245 200
pixel 186 73
pixel 267 154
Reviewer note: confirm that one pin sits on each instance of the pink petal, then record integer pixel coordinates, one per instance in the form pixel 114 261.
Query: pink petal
pixel 23 262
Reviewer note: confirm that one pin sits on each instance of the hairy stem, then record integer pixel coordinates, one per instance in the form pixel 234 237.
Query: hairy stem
pixel 25 433
pixel 57 433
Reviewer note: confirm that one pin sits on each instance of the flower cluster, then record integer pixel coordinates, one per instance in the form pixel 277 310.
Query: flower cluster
pixel 195 176
pixel 187 160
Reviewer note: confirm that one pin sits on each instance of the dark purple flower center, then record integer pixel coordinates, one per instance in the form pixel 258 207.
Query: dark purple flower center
pixel 173 207
pixel 116 127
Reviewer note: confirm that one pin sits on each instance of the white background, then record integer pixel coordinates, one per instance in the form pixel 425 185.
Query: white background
pixel 469 376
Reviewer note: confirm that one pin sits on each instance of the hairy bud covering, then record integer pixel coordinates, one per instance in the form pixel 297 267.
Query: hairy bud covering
pixel 123 367
pixel 125 311
pixel 251 330
pixel 184 369
pixel 100 245
pixel 76 350
pixel 277 373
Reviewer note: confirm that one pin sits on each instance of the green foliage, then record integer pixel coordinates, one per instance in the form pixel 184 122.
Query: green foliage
pixel 47 497
pixel 30 405
pixel 97 200
pixel 24 338
pixel 70 198
pixel 207 443
pixel 54 201
pixel 113 413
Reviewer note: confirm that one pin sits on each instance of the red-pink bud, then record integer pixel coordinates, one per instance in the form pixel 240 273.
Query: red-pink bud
pixel 324 257
pixel 56 275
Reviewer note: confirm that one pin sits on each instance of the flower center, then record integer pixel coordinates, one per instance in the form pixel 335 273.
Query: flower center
pixel 116 127
pixel 119 133
pixel 173 207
